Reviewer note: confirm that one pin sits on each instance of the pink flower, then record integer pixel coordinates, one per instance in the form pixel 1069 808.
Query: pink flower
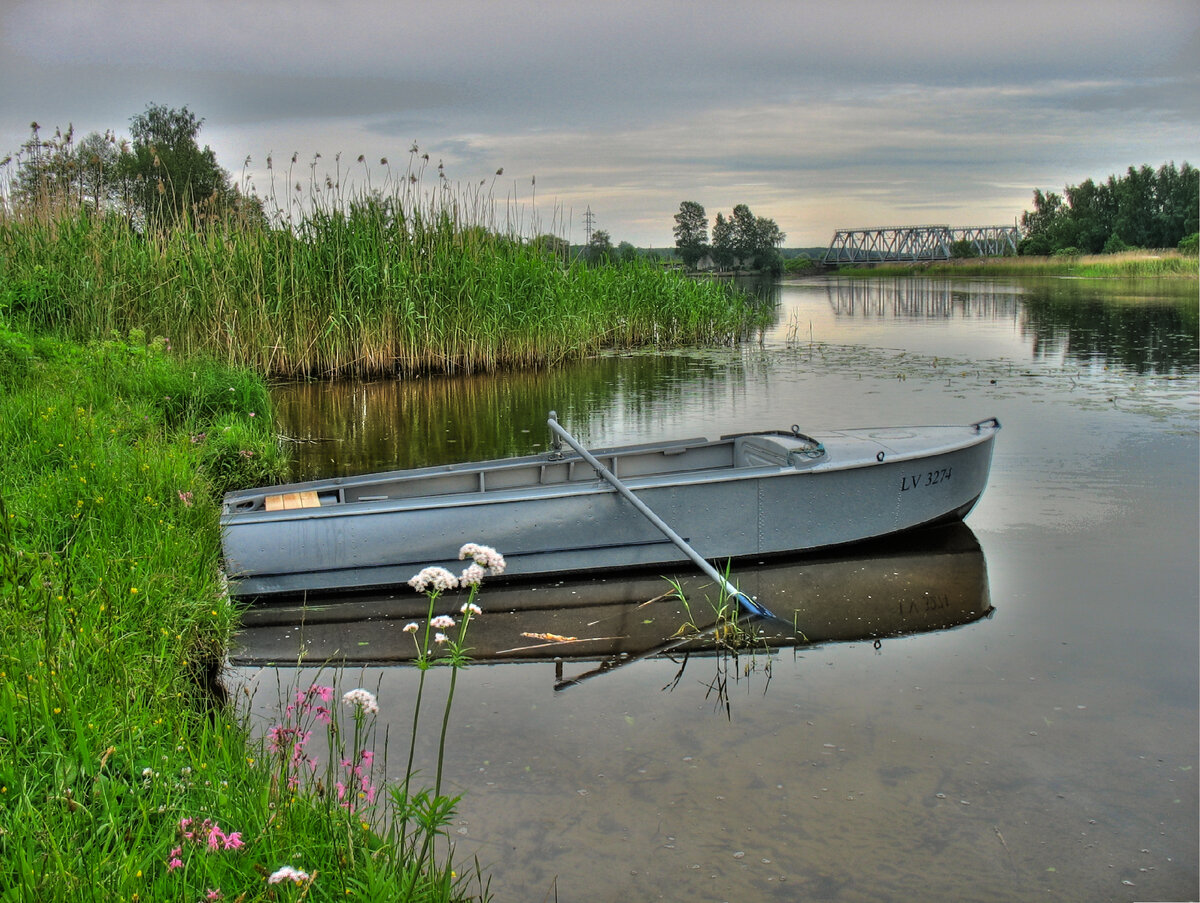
pixel 213 895
pixel 233 841
pixel 175 862
pixel 186 498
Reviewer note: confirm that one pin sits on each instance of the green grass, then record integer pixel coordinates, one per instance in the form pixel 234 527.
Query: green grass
pixel 1127 264
pixel 112 623
pixel 366 286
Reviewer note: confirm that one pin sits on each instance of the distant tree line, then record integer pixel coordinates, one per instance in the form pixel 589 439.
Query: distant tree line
pixel 156 178
pixel 743 241
pixel 1141 209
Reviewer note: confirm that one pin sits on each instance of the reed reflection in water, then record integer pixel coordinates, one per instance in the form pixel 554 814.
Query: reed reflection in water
pixel 346 428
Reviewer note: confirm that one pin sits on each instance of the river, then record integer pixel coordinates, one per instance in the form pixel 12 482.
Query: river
pixel 1043 748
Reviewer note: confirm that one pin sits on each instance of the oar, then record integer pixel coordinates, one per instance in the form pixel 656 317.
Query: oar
pixel 608 476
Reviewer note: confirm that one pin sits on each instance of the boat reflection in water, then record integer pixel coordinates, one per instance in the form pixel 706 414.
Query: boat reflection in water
pixel 924 581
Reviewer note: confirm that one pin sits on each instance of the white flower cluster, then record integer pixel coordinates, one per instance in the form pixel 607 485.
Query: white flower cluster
pixel 287 873
pixel 435 578
pixel 484 556
pixel 363 699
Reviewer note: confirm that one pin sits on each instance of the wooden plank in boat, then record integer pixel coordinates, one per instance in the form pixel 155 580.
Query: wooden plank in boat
pixel 289 500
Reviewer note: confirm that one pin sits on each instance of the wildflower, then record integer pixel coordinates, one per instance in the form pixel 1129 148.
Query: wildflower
pixel 437 578
pixel 363 699
pixel 287 873
pixel 439 638
pixel 175 862
pixel 484 556
pixel 442 622
pixel 186 498
pixel 411 627
pixel 213 894
pixel 472 608
pixel 472 576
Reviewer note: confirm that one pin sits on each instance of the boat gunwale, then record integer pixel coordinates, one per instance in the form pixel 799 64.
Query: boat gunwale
pixel 575 488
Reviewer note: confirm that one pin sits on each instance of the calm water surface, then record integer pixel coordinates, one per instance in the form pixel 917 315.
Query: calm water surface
pixel 1047 751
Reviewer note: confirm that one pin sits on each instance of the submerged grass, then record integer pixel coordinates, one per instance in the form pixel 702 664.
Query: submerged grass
pixel 374 284
pixel 120 776
pixel 1126 264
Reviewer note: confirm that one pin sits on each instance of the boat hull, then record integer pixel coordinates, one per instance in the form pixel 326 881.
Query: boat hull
pixel 735 501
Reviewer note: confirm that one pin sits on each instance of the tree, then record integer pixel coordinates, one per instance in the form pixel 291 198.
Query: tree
pixel 1141 209
pixel 59 171
pixel 169 174
pixel 599 250
pixel 1041 227
pixel 768 238
pixel 627 253
pixel 553 246
pixel 722 243
pixel 691 233
pixel 745 234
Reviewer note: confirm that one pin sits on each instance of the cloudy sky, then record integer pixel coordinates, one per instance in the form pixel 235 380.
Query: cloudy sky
pixel 819 115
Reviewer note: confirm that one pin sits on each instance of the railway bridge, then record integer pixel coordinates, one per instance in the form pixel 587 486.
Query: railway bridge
pixel 915 243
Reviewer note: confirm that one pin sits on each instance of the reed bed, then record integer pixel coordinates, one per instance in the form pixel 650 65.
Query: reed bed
pixel 370 285
pixel 122 776
pixel 1125 264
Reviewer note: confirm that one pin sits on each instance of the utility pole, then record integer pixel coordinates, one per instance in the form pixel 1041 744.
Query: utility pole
pixel 589 220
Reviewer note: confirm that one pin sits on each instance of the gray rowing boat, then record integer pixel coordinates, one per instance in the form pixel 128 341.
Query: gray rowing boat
pixel 758 495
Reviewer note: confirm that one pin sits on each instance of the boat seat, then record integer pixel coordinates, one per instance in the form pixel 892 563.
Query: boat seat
pixel 775 451
pixel 289 500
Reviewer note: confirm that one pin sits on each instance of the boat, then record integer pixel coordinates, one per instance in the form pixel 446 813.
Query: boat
pixel 571 510
pixel 922 581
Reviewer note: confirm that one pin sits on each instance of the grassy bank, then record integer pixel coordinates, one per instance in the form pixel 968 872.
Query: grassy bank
pixel 119 778
pixel 366 287
pixel 1124 265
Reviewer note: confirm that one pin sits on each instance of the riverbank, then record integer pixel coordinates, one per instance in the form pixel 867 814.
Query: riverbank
pixel 121 774
pixel 1124 265
pixel 371 288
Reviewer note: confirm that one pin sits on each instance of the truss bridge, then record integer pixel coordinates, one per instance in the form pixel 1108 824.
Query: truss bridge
pixel 915 243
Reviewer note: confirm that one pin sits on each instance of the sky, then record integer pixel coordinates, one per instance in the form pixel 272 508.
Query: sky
pixel 820 116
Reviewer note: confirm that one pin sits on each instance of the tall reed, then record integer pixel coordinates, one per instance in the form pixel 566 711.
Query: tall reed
pixel 378 283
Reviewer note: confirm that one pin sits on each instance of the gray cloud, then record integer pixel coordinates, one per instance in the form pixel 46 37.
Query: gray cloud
pixel 812 113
